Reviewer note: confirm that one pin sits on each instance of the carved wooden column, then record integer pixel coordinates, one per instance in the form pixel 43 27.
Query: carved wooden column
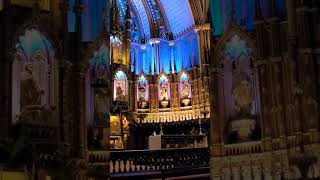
pixel 306 70
pixel 263 72
pixel 216 117
pixel 292 58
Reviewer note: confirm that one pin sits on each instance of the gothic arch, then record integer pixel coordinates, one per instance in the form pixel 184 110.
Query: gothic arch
pixel 234 55
pixel 233 29
pixel 33 47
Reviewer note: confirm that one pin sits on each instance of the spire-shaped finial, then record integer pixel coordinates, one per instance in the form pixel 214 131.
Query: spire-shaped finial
pixel 128 15
pixel 258 13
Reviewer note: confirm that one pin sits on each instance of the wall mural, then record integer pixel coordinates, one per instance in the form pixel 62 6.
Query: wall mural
pixel 185 89
pixel 120 86
pixel 164 91
pixel 33 75
pixel 142 91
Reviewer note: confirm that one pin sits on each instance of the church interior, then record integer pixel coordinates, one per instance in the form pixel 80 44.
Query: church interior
pixel 159 89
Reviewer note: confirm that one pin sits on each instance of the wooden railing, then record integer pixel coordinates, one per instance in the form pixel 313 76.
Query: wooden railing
pixel 156 160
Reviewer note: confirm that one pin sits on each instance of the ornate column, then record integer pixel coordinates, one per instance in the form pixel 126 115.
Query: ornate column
pixel 306 71
pixel 292 60
pixel 263 72
pixel 216 117
pixel 203 31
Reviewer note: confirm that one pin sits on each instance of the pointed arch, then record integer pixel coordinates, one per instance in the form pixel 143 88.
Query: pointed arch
pixel 233 29
pixel 34 72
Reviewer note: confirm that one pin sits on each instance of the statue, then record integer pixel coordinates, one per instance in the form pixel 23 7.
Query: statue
pixel 119 92
pixel 185 91
pixel 30 93
pixel 142 90
pixel 242 96
pixel 163 93
pixel 31 108
pixel 101 106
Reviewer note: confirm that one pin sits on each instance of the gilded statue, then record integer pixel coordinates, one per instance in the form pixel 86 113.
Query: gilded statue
pixel 185 91
pixel 142 94
pixel 163 93
pixel 242 96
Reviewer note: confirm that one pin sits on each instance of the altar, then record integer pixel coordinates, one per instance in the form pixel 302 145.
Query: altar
pixel 158 142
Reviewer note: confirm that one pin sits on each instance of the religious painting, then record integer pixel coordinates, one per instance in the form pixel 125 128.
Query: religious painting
pixel 120 86
pixel 33 76
pixel 185 89
pixel 100 63
pixel 115 126
pixel 142 91
pixel 164 90
pixel 116 49
pixel 125 125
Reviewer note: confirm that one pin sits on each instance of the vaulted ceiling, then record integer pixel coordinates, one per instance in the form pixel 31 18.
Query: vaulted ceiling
pixel 156 17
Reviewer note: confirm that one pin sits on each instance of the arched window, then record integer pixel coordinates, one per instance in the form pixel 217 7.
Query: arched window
pixel 164 90
pixel 120 86
pixel 185 89
pixel 32 75
pixel 142 91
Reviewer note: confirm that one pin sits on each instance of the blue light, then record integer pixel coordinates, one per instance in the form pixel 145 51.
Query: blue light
pixel 142 80
pixel 235 47
pixel 163 79
pixel 143 17
pixel 120 75
pixel 101 56
pixel 184 77
pixel 33 41
pixel 179 15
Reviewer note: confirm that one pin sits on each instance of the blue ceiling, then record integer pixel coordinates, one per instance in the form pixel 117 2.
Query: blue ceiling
pixel 178 15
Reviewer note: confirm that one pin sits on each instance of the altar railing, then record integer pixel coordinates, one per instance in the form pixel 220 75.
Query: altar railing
pixel 157 160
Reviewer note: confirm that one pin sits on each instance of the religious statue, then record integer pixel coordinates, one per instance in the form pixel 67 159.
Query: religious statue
pixel 242 96
pixel 163 93
pixel 185 91
pixel 119 92
pixel 30 92
pixel 142 91
pixel 101 106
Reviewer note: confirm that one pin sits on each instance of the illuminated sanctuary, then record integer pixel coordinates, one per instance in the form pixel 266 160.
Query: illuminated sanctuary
pixel 159 89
